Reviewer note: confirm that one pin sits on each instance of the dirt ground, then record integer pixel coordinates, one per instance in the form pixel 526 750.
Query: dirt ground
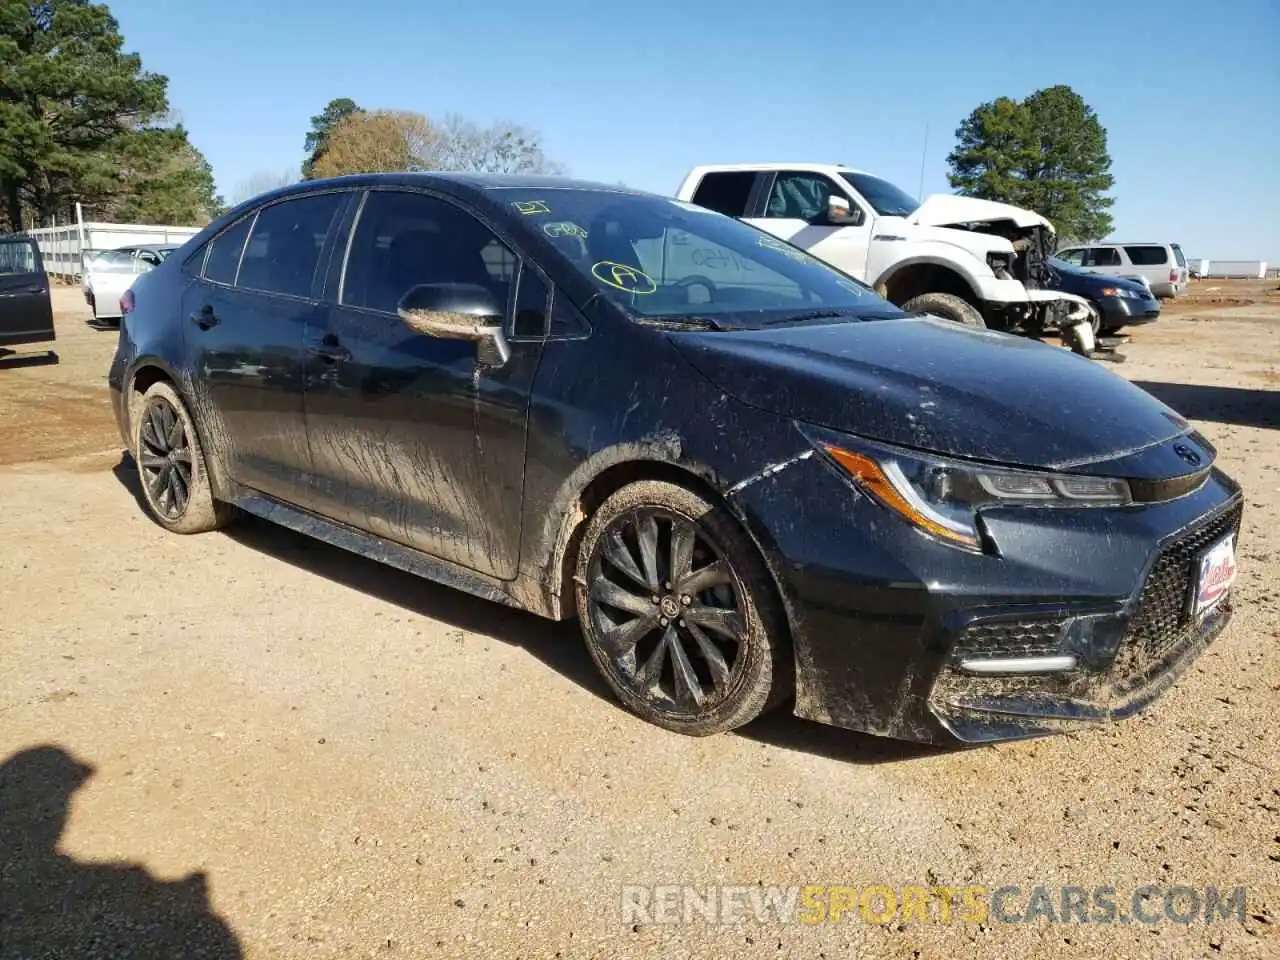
pixel 338 759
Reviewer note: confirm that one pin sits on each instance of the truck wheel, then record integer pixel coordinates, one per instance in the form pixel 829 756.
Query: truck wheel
pixel 948 306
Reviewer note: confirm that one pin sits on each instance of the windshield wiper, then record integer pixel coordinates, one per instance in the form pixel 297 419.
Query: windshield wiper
pixel 677 322
pixel 812 315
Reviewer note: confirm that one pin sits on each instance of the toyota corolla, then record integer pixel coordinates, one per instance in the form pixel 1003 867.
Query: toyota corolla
pixel 751 480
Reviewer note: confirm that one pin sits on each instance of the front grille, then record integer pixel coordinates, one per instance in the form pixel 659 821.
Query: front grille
pixel 1162 619
pixel 995 639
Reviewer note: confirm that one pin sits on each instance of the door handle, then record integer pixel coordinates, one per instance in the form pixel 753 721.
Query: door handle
pixel 329 349
pixel 204 318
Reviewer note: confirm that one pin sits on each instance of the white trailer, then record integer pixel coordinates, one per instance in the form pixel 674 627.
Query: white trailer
pixel 65 248
pixel 1197 267
pixel 1237 269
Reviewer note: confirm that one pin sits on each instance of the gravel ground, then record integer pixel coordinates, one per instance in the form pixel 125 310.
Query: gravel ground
pixel 248 743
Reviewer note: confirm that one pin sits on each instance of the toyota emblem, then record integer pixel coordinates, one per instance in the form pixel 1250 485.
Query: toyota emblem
pixel 1187 454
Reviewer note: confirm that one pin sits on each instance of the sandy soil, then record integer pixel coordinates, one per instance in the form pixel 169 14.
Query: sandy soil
pixel 352 762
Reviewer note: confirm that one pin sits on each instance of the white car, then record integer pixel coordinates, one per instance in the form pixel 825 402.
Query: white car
pixel 1161 266
pixel 109 273
pixel 977 262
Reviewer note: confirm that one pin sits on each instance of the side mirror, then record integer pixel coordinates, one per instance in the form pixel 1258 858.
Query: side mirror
pixel 839 212
pixel 458 311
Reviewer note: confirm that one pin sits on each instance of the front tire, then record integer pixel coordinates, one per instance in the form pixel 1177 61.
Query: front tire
pixel 678 611
pixel 948 306
pixel 171 466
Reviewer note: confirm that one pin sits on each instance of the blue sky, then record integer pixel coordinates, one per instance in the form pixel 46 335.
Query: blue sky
pixel 1189 92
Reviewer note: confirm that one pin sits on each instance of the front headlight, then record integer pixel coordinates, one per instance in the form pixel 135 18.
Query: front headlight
pixel 1122 292
pixel 943 497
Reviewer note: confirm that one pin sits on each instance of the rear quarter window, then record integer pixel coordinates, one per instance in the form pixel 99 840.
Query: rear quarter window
pixel 224 253
pixel 1147 256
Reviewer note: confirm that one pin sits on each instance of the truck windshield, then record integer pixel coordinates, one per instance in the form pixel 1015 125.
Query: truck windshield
pixel 885 199
pixel 659 258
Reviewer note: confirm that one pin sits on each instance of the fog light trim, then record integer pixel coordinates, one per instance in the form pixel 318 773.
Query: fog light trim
pixel 1018 665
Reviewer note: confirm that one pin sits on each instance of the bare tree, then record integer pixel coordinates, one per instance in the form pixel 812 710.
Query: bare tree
pixel 261 182
pixel 504 147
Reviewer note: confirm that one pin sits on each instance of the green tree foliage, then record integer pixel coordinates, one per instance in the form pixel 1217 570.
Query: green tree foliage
pixel 81 120
pixel 1047 153
pixel 322 125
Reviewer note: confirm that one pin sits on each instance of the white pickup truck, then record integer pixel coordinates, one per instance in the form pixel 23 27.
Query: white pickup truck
pixel 977 262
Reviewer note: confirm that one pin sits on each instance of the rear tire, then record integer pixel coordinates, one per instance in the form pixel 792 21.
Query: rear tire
pixel 171 466
pixel 679 612
pixel 949 307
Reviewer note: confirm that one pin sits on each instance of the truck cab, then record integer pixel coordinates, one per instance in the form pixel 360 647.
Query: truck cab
pixel 978 262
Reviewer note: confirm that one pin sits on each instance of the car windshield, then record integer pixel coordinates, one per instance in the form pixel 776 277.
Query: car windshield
pixel 885 199
pixel 666 260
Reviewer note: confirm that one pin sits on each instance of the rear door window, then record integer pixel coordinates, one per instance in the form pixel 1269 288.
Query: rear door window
pixel 284 246
pixel 1147 256
pixel 1177 254
pixel 727 192
pixel 224 254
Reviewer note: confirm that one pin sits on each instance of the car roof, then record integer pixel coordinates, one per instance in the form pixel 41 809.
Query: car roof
pixel 1127 243
pixel 804 165
pixel 475 181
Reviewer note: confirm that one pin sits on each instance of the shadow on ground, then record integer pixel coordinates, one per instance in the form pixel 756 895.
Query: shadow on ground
pixel 52 905
pixel 10 359
pixel 1248 407
pixel 558 645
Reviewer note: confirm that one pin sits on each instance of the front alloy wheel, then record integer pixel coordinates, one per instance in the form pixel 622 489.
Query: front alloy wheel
pixel 677 611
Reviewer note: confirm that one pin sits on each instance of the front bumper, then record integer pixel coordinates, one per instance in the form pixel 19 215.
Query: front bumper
pixel 882 616
pixel 1123 311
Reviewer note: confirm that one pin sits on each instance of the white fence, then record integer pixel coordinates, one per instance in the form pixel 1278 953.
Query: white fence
pixel 64 254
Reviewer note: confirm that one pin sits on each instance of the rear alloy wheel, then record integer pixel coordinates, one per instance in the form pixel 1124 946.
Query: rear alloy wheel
pixel 175 484
pixel 948 306
pixel 678 611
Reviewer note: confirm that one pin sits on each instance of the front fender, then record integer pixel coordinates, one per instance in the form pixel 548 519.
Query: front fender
pixel 889 257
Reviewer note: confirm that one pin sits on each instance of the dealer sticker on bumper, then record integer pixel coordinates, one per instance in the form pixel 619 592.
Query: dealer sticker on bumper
pixel 1217 573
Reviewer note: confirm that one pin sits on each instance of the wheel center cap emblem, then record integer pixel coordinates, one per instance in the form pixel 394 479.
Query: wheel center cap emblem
pixel 670 607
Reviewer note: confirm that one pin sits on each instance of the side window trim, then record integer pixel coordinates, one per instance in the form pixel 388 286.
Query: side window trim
pixel 509 325
pixel 346 252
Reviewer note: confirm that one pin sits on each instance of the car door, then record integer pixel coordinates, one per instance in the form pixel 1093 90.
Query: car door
pixel 26 314
pixel 246 316
pixel 795 209
pixel 412 438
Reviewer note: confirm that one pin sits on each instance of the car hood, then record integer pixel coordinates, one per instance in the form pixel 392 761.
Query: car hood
pixel 940 386
pixel 1077 280
pixel 944 210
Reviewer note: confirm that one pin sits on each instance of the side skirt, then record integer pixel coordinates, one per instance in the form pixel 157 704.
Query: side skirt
pixel 376 548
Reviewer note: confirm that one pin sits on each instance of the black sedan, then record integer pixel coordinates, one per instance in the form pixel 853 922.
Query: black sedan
pixel 1118 302
pixel 752 480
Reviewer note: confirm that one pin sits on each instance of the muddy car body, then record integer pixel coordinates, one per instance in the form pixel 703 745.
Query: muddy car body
pixel 771 487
